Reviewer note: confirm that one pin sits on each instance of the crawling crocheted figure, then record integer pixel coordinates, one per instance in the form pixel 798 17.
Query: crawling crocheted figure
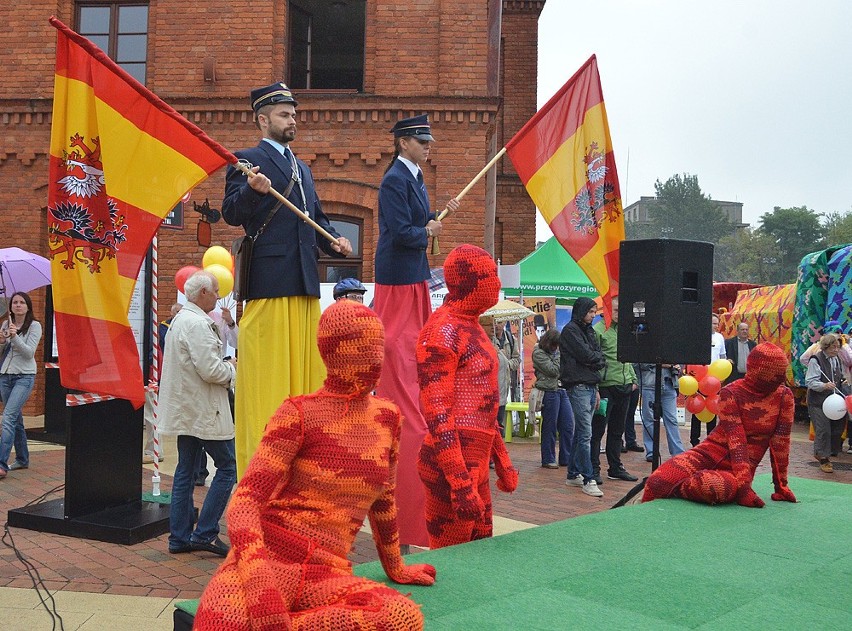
pixel 457 370
pixel 326 461
pixel 755 414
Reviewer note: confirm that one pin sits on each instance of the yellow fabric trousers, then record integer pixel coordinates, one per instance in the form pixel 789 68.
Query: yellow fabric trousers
pixel 277 358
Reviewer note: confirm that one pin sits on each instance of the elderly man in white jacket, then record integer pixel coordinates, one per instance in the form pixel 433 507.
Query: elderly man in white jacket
pixel 194 406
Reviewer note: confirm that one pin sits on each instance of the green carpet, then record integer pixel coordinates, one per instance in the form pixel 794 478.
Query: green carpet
pixel 668 564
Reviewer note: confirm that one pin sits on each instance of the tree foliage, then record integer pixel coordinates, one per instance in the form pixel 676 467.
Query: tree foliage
pixel 682 211
pixel 838 228
pixel 796 231
pixel 748 256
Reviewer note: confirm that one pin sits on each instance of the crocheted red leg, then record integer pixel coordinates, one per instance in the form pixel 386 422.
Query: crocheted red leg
pixel 350 603
pixel 223 604
pixel 709 487
pixel 665 480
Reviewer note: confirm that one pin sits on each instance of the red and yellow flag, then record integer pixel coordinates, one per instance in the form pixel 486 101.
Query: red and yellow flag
pixel 120 160
pixel 564 157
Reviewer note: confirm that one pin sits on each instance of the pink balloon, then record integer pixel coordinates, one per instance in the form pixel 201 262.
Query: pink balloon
pixel 183 274
pixel 709 386
pixel 712 404
pixel 695 403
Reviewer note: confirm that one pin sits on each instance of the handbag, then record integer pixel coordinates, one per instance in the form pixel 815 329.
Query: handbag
pixel 242 249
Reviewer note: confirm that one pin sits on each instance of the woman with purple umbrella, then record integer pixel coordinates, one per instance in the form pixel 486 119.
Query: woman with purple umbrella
pixel 19 337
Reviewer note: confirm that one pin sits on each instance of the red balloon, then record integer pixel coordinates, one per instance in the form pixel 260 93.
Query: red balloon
pixel 182 274
pixel 697 370
pixel 849 403
pixel 695 403
pixel 712 403
pixel 709 386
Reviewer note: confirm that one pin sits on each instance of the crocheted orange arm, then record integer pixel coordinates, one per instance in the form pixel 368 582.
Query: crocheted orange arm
pixel 382 516
pixel 507 475
pixel 731 424
pixel 779 448
pixel 436 369
pixel 269 468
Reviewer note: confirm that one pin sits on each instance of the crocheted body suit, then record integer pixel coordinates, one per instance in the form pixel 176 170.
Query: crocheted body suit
pixel 326 461
pixel 755 414
pixel 457 370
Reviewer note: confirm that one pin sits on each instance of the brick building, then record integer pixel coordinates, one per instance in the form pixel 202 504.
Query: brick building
pixel 356 67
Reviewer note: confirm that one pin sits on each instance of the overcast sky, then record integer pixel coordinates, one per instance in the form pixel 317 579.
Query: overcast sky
pixel 753 97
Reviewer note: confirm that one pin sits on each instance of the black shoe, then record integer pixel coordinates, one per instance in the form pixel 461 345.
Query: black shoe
pixel 621 474
pixel 636 447
pixel 598 479
pixel 623 449
pixel 180 549
pixel 217 546
pixel 550 465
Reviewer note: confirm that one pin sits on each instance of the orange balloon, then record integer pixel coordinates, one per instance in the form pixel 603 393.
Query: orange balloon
pixel 709 386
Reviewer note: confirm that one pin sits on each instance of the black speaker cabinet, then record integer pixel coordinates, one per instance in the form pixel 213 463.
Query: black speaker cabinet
pixel 665 301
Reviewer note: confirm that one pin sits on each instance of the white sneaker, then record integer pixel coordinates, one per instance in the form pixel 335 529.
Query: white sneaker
pixel 578 481
pixel 591 488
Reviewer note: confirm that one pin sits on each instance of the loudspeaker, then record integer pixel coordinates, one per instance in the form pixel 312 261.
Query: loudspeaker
pixel 665 301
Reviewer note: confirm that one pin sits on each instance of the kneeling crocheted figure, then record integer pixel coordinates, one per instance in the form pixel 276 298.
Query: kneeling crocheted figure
pixel 457 369
pixel 755 414
pixel 326 461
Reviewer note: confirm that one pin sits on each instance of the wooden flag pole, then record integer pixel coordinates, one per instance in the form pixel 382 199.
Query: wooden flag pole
pixel 306 218
pixel 436 249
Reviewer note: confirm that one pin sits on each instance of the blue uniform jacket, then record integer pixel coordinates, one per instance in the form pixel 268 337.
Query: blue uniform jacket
pixel 284 262
pixel 403 215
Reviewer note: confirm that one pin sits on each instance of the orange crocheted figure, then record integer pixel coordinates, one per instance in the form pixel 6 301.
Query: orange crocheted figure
pixel 755 414
pixel 457 369
pixel 326 461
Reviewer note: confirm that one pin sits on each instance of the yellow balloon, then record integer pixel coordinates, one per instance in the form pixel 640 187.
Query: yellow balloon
pixel 721 369
pixel 705 416
pixel 687 385
pixel 217 255
pixel 224 276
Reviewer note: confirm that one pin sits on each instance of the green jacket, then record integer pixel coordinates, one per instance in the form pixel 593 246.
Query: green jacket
pixel 614 373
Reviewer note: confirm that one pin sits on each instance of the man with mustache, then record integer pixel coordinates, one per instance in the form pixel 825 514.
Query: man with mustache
pixel 278 330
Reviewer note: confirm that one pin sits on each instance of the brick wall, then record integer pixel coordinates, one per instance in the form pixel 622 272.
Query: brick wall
pixel 421 56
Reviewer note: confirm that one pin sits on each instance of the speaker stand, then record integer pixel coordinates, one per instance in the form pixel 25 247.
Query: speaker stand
pixel 657 408
pixel 103 481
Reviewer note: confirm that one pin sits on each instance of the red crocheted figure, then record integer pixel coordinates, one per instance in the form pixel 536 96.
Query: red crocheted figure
pixel 326 461
pixel 457 369
pixel 755 414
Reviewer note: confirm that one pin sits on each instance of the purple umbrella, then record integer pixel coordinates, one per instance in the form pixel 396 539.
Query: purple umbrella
pixel 22 271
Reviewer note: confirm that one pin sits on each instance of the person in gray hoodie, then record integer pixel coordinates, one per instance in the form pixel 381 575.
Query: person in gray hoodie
pixel 580 360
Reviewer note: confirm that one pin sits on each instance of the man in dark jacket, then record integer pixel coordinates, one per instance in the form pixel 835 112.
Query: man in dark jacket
pixel 737 350
pixel 580 359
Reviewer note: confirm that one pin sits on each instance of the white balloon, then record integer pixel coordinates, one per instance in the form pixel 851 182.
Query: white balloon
pixel 834 407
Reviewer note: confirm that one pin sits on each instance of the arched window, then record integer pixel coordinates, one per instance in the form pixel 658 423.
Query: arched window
pixel 331 269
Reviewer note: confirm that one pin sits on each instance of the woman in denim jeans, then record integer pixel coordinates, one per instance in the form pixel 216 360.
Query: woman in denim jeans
pixel 556 413
pixel 19 337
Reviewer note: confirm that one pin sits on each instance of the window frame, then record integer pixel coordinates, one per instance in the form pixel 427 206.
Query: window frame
pixel 113 35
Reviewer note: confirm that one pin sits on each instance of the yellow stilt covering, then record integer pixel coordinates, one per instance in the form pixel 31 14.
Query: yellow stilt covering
pixel 278 358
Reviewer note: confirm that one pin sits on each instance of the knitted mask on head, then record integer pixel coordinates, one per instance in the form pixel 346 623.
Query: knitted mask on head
pixel 471 277
pixel 766 368
pixel 351 342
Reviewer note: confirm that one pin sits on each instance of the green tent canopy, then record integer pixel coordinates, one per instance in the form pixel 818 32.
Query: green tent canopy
pixel 551 272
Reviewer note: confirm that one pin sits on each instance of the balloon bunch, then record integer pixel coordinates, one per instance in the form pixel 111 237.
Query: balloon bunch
pixel 701 387
pixel 216 260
